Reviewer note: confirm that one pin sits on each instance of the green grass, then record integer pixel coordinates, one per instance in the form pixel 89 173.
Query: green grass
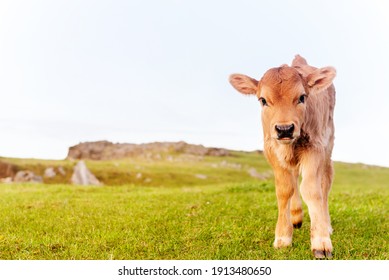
pixel 176 215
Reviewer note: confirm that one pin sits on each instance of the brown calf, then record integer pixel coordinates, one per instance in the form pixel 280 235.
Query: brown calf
pixel 297 118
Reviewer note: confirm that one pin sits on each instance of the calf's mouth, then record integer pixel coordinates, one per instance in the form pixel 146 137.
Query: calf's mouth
pixel 285 140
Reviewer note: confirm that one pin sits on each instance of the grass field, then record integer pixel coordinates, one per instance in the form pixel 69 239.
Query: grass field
pixel 181 207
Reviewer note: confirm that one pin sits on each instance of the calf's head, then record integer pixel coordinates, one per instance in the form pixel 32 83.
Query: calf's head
pixel 283 93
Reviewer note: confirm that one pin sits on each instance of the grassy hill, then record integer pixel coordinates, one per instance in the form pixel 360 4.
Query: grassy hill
pixel 180 206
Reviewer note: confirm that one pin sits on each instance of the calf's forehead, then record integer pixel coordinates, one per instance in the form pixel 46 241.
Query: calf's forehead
pixel 282 82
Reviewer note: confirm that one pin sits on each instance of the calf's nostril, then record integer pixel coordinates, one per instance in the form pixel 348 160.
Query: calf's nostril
pixel 285 131
pixel 284 127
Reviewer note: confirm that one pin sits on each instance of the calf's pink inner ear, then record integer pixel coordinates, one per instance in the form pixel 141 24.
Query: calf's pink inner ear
pixel 244 84
pixel 321 78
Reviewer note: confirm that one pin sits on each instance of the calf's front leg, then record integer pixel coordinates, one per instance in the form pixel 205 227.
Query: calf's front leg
pixel 311 192
pixel 286 183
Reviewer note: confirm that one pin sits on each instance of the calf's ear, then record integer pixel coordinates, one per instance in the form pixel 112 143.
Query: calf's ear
pixel 321 78
pixel 299 61
pixel 244 84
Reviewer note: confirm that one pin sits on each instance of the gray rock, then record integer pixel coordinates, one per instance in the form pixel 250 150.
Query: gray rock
pixel 49 172
pixel 27 176
pixel 82 176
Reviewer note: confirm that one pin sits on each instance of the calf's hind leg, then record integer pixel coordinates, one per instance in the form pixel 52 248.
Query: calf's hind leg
pixel 296 210
pixel 326 184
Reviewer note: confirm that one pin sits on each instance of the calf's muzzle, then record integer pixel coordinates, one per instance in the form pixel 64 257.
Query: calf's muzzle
pixel 285 131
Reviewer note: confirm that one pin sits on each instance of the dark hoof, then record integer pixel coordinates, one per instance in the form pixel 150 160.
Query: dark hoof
pixel 319 254
pixel 322 254
pixel 298 225
pixel 328 255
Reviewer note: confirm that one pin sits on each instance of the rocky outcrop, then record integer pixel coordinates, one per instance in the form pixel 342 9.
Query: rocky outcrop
pixel 26 176
pixel 104 150
pixel 82 176
pixel 7 170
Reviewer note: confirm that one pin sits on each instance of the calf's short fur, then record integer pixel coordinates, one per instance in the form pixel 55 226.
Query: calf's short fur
pixel 297 119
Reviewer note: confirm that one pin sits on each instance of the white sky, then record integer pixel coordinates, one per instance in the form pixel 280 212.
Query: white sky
pixel 142 71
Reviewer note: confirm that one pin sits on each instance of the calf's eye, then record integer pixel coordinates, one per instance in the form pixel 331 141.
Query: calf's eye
pixel 302 99
pixel 263 101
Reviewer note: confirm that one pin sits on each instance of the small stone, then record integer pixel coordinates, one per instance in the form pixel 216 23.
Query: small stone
pixel 49 172
pixel 255 174
pixel 6 180
pixel 201 176
pixel 61 171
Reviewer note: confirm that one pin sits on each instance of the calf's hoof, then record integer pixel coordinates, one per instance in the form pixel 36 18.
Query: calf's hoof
pixel 298 225
pixel 281 242
pixel 319 254
pixel 321 247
